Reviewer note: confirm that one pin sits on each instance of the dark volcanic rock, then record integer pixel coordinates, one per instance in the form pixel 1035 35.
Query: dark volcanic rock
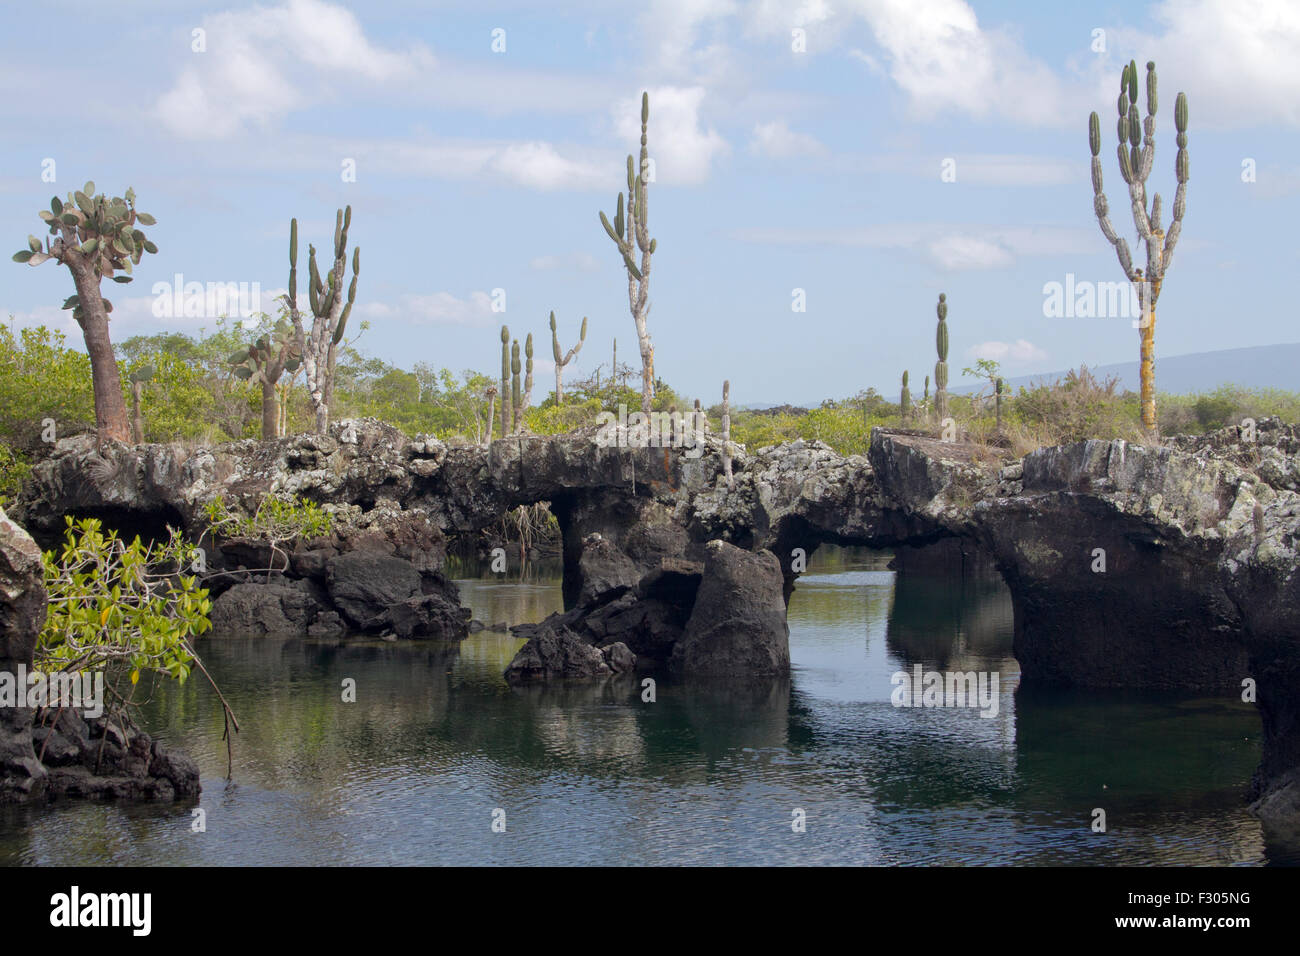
pixel 557 653
pixel 604 567
pixel 22 615
pixel 1200 535
pixel 110 759
pixel 364 586
pixel 261 608
pixel 428 616
pixel 738 626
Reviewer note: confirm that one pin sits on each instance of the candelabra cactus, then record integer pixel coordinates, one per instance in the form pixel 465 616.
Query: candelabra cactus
pixel 138 379
pixel 528 379
pixel 96 237
pixel 329 313
pixel 1136 153
pixel 998 389
pixel 516 399
pixel 505 381
pixel 941 366
pixel 273 354
pixel 564 358
pixel 512 412
pixel 632 233
pixel 905 401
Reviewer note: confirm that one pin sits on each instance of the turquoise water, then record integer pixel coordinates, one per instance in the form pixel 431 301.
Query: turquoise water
pixel 437 746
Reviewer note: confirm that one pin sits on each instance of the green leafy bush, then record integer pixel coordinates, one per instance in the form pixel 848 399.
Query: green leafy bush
pixel 278 519
pixel 120 607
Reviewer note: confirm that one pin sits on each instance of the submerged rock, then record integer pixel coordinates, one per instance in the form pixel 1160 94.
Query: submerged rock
pixel 738 626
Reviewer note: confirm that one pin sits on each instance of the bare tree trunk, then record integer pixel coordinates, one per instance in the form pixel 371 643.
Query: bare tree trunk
pixel 110 406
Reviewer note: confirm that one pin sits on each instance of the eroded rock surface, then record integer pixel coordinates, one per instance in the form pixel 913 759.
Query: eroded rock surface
pixel 1200 587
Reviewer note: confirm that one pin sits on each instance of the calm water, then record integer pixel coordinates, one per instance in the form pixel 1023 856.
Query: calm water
pixel 436 742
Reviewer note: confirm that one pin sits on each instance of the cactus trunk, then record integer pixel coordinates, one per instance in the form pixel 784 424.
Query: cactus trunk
pixel 137 421
pixel 110 406
pixel 270 410
pixel 726 436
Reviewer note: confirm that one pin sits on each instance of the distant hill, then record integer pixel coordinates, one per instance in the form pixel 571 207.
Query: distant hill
pixel 1263 366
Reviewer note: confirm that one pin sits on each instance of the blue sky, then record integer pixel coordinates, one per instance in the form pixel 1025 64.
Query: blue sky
pixel 776 170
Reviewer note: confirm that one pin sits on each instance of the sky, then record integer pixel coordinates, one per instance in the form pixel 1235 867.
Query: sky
pixel 858 156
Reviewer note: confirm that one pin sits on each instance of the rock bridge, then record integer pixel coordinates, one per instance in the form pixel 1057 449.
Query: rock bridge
pixel 1128 566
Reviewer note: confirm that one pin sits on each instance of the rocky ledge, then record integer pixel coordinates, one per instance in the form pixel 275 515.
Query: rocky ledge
pixel 1128 566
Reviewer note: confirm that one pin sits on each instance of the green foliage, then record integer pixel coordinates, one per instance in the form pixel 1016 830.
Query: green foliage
pixel 985 369
pixel 42 378
pixel 1078 407
pixel 120 607
pixel 180 404
pixel 1225 405
pixel 278 518
pixel 13 472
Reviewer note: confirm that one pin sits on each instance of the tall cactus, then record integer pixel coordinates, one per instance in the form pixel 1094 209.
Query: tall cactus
pixel 516 398
pixel 1136 153
pixel 97 237
pixel 272 355
pixel 505 381
pixel 264 361
pixel 905 401
pixel 522 397
pixel 564 358
pixel 998 389
pixel 528 378
pixel 631 233
pixel 726 436
pixel 328 309
pixel 941 366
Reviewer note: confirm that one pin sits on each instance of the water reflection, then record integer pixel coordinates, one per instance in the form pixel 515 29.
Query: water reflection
pixel 707 773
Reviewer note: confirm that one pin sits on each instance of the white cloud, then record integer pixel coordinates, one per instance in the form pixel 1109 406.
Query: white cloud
pixel 969 252
pixel 943 60
pixel 1018 170
pixel 540 166
pixel 683 151
pixel 438 308
pixel 1237 60
pixel 670 29
pixel 778 141
pixel 1021 350
pixel 953 247
pixel 257 62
